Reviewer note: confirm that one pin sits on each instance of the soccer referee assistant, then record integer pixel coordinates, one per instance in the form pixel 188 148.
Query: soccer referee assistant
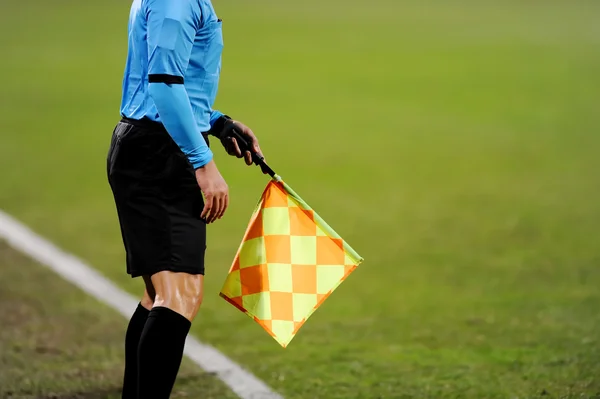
pixel 165 183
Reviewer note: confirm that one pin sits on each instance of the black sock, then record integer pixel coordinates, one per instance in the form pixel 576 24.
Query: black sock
pixel 160 352
pixel 132 341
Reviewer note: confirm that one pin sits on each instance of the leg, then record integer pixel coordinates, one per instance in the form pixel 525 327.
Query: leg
pixel 132 341
pixel 177 300
pixel 159 203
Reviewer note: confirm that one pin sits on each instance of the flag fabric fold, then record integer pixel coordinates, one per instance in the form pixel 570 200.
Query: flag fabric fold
pixel 288 263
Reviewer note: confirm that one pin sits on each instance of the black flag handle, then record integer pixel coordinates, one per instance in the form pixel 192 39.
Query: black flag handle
pixel 244 146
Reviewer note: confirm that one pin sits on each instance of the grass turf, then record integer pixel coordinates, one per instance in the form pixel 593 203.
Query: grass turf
pixel 454 145
pixel 58 343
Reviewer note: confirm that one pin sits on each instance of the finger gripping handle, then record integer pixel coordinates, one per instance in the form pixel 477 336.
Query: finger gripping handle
pixel 244 145
pixel 233 132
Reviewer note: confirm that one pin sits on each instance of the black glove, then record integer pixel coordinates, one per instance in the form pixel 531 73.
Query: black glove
pixel 222 129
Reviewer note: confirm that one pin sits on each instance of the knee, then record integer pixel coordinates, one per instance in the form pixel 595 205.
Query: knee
pixel 182 295
pixel 195 302
pixel 186 305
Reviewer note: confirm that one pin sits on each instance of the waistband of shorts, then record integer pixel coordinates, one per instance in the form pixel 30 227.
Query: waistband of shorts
pixel 150 125
pixel 144 123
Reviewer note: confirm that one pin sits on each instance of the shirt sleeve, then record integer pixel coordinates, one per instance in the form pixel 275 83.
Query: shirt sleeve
pixel 172 27
pixel 214 115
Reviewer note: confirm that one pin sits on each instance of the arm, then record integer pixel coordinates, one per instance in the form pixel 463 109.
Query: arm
pixel 172 28
pixel 176 113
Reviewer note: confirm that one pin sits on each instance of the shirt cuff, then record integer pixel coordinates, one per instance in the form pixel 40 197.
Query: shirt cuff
pixel 214 116
pixel 200 157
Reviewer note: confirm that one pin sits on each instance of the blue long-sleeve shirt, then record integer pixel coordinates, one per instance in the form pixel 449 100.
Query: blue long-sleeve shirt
pixel 173 68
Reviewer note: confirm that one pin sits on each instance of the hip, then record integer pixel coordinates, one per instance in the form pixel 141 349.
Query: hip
pixel 143 154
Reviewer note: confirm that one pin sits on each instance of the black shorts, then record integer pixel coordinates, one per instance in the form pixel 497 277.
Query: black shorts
pixel 158 200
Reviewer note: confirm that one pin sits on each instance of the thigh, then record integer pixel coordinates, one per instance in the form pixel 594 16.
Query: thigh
pixel 180 292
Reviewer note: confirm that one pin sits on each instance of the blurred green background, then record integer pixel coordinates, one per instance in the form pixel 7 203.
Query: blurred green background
pixel 454 144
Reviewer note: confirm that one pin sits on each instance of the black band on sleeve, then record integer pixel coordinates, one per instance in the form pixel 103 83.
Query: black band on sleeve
pixel 164 78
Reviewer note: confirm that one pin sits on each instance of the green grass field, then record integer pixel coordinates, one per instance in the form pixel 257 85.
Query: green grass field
pixel 454 145
pixel 58 343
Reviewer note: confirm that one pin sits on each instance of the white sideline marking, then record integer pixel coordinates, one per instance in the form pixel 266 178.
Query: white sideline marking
pixel 20 237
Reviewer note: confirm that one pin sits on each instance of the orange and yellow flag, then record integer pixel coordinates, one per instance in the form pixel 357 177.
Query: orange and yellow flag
pixel 288 263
